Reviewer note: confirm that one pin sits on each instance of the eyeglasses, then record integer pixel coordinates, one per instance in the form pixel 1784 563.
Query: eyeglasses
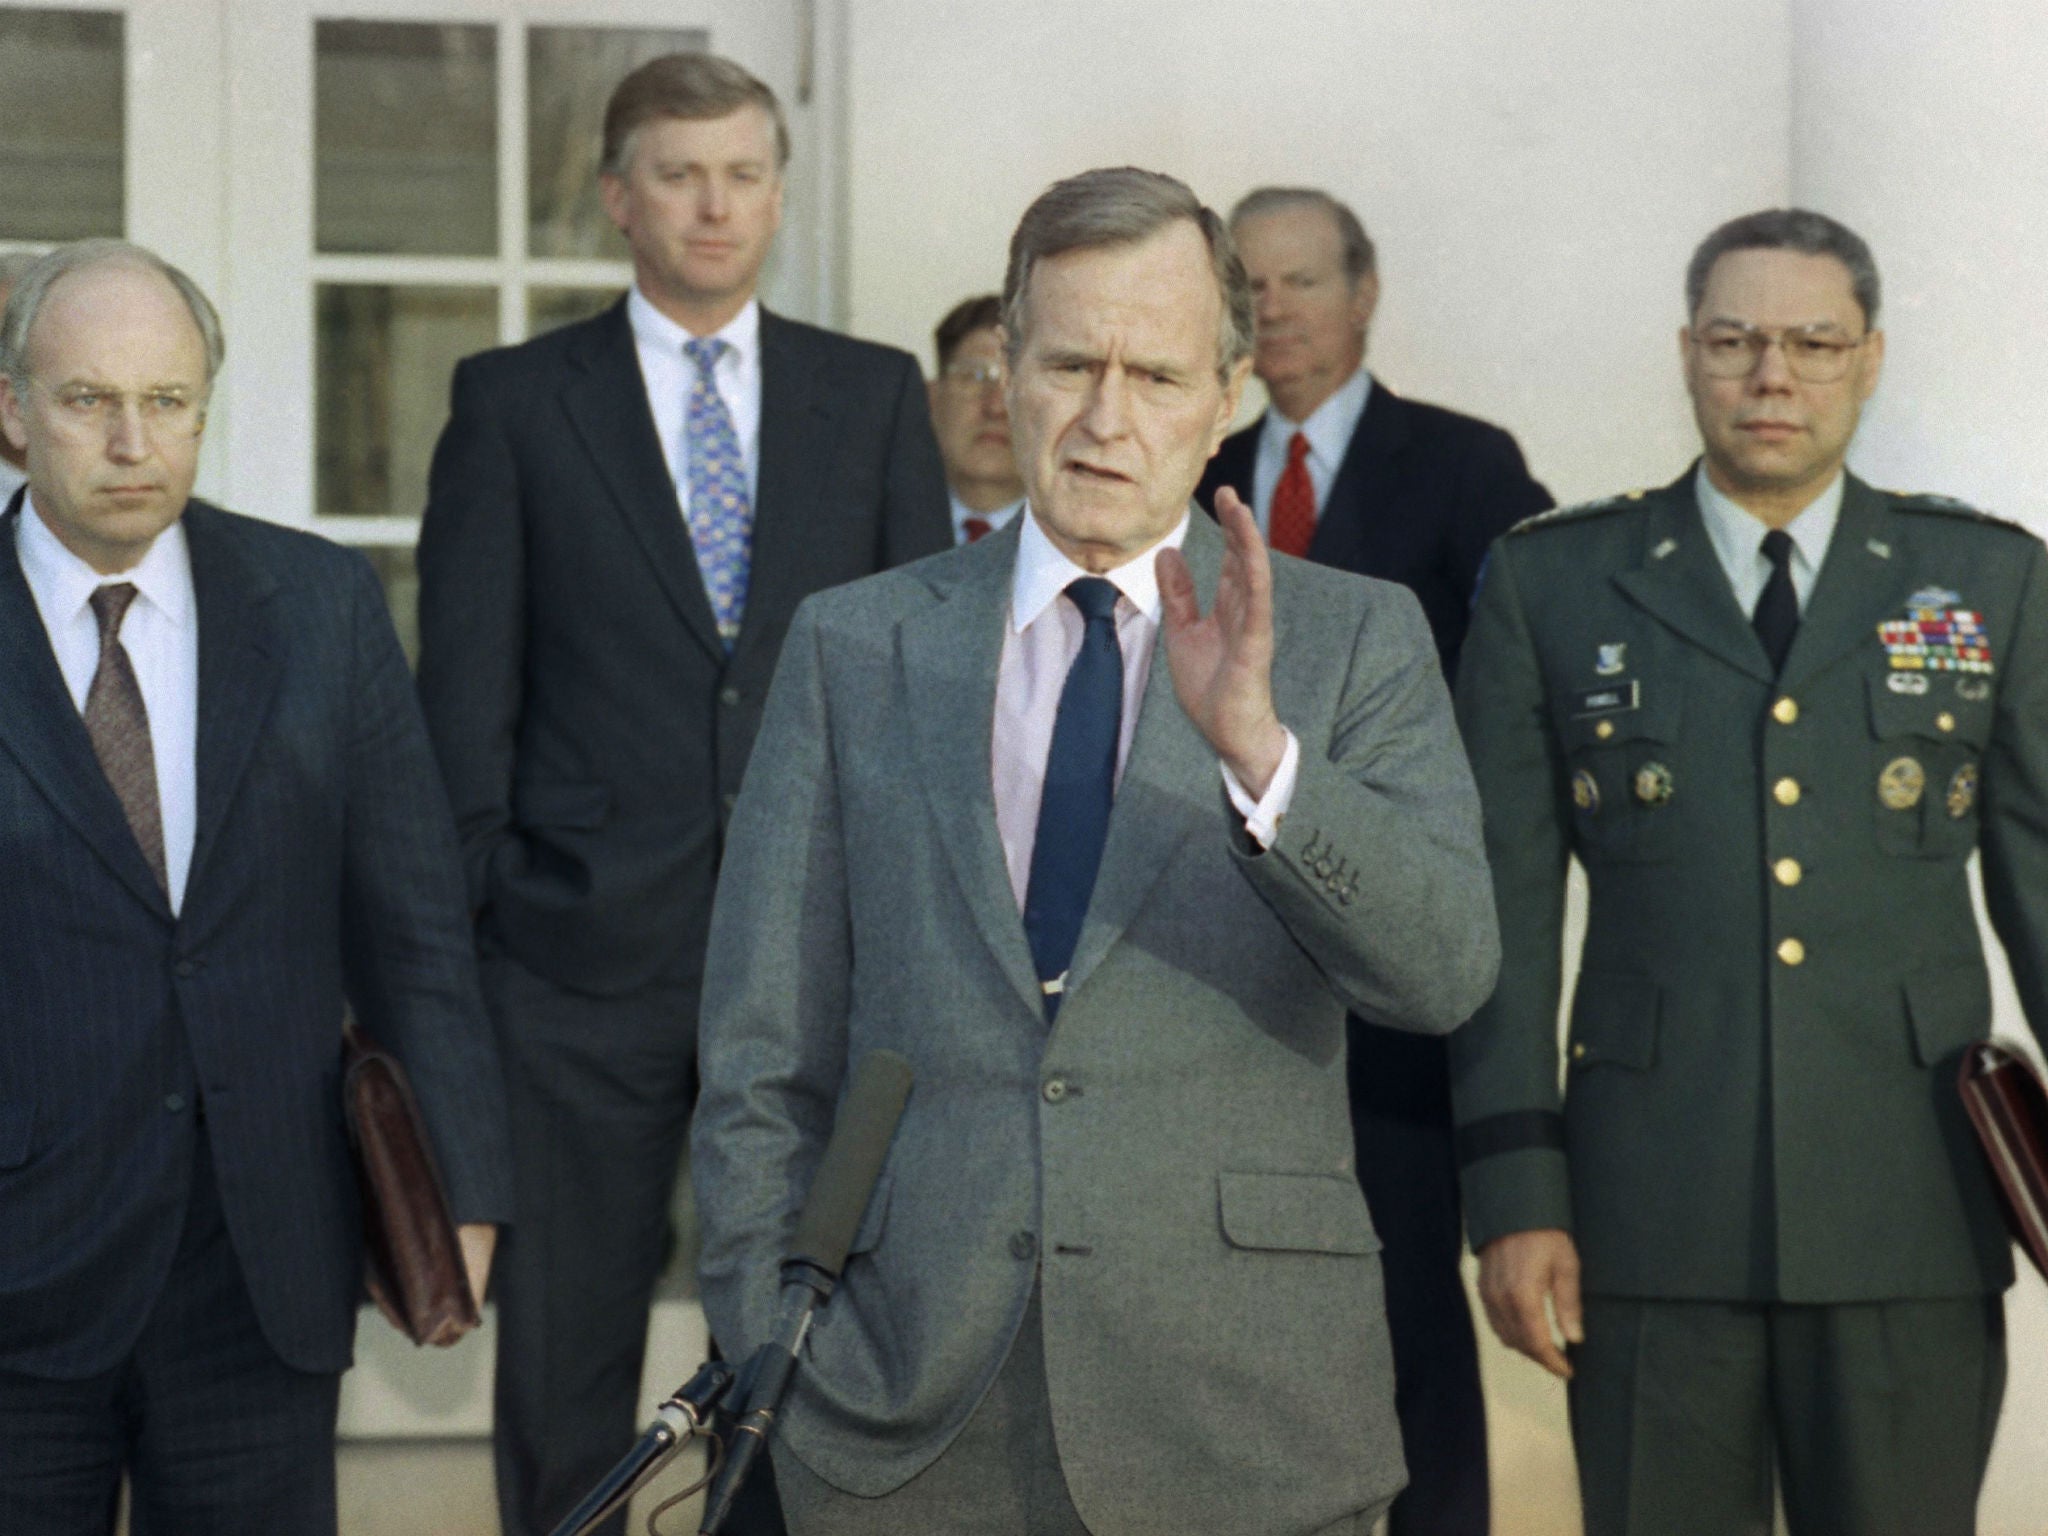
pixel 1814 354
pixel 165 414
pixel 975 375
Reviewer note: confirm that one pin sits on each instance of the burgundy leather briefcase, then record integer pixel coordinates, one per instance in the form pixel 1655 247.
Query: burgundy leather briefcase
pixel 408 1233
pixel 2008 1104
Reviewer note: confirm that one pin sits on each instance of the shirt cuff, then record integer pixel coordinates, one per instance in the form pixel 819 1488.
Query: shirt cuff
pixel 1262 817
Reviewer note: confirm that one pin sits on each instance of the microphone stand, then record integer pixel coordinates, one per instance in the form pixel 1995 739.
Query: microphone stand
pixel 686 1415
pixel 805 1287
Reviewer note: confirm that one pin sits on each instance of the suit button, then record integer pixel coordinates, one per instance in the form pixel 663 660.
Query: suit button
pixel 1944 721
pixel 1785 711
pixel 728 696
pixel 1579 1051
pixel 1055 1089
pixel 174 1102
pixel 1786 791
pixel 1792 952
pixel 1787 872
pixel 1022 1245
pixel 186 968
pixel 1604 729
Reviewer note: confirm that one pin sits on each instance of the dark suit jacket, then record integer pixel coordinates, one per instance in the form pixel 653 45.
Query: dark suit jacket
pixel 591 727
pixel 1421 494
pixel 324 866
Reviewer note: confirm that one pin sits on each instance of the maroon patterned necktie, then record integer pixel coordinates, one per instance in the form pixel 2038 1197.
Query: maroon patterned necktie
pixel 977 528
pixel 1291 520
pixel 118 724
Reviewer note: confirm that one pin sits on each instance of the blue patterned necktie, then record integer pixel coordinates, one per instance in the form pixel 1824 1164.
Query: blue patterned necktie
pixel 721 517
pixel 1080 784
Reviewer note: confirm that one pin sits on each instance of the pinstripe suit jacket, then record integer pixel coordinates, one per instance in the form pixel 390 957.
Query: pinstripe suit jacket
pixel 324 866
pixel 1174 1158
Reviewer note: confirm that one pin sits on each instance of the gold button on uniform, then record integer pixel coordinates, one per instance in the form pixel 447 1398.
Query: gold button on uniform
pixel 1579 1051
pixel 1792 952
pixel 1944 721
pixel 1785 711
pixel 1604 729
pixel 1786 791
pixel 1787 872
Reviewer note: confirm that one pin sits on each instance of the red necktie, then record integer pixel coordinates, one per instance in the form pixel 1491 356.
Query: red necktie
pixel 1291 523
pixel 977 528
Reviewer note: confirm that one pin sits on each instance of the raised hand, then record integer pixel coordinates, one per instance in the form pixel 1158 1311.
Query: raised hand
pixel 1223 662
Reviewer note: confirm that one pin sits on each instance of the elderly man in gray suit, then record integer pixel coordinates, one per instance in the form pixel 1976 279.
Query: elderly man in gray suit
pixel 1118 1276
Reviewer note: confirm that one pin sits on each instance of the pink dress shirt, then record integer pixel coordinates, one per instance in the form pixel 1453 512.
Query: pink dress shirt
pixel 1039 646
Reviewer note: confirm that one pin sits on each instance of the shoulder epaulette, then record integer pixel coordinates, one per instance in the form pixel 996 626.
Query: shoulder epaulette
pixel 1948 506
pixel 1575 513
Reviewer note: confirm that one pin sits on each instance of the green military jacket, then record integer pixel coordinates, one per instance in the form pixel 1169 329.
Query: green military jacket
pixel 1781 965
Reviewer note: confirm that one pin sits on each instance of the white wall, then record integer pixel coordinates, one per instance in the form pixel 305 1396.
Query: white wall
pixel 1534 174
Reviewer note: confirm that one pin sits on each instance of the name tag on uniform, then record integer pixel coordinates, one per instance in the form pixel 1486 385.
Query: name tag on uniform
pixel 1615 699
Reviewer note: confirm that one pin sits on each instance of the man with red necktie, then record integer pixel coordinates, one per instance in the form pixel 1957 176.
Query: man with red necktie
pixel 1345 472
pixel 971 420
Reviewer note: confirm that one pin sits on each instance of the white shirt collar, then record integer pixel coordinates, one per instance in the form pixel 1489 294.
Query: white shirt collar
pixel 995 520
pixel 651 328
pixel 1330 425
pixel 65 584
pixel 1043 573
pixel 1738 536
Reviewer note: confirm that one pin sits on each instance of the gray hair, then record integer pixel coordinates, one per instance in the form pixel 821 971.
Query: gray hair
pixel 1123 206
pixel 1361 260
pixel 1786 229
pixel 43 274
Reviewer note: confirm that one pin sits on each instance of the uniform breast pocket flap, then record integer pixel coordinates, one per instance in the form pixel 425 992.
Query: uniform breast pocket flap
pixel 1614 1021
pixel 1621 757
pixel 1295 1213
pixel 1932 707
pixel 17 1127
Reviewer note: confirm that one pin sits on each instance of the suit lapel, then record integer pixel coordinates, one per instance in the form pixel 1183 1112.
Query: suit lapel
pixel 1680 582
pixel 1381 433
pixel 607 402
pixel 950 656
pixel 1862 581
pixel 41 728
pixel 796 440
pixel 1171 785
pixel 241 659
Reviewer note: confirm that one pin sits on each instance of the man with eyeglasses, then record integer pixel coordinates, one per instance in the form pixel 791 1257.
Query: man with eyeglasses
pixel 971 420
pixel 1772 711
pixel 219 818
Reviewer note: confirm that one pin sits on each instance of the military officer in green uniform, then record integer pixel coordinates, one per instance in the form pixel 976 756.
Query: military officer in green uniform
pixel 1772 711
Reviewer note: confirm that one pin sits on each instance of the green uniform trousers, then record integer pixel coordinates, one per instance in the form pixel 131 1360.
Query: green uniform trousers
pixel 1877 1416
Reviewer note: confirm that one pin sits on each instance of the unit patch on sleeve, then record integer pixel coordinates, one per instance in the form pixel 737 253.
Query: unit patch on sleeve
pixel 1936 634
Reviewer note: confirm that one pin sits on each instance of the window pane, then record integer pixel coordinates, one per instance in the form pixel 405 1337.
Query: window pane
pixel 400 573
pixel 406 138
pixel 384 358
pixel 570 73
pixel 547 308
pixel 61 125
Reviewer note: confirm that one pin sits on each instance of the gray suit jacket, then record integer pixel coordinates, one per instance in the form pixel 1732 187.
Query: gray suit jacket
pixel 1173 1160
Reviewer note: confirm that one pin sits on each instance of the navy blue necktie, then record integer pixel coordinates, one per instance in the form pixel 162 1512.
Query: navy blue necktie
pixel 1776 619
pixel 1080 783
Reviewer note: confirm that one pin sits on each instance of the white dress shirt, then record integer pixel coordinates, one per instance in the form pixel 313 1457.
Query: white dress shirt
pixel 669 376
pixel 160 633
pixel 1328 430
pixel 1738 540
pixel 995 519
pixel 1039 646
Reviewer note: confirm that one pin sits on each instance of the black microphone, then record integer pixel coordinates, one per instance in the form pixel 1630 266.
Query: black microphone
pixel 824 1231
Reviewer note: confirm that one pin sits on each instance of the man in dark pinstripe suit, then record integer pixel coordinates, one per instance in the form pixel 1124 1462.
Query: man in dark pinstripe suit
pixel 218 817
